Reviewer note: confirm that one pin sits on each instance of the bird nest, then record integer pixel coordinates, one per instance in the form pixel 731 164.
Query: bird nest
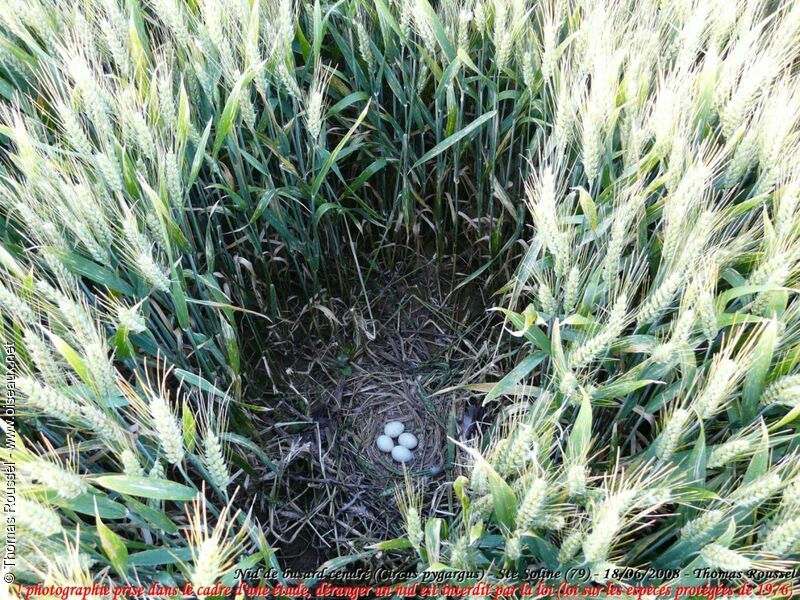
pixel 404 357
pixel 379 391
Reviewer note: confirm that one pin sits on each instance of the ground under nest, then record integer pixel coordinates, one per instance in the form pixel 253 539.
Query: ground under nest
pixel 405 355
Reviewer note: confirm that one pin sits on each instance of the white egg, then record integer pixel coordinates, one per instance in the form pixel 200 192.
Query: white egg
pixel 401 454
pixel 393 428
pixel 384 443
pixel 409 440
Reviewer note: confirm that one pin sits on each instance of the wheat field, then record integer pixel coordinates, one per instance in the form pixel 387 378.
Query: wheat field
pixel 587 208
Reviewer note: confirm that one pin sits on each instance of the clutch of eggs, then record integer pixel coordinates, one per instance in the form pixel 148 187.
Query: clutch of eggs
pixel 406 442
